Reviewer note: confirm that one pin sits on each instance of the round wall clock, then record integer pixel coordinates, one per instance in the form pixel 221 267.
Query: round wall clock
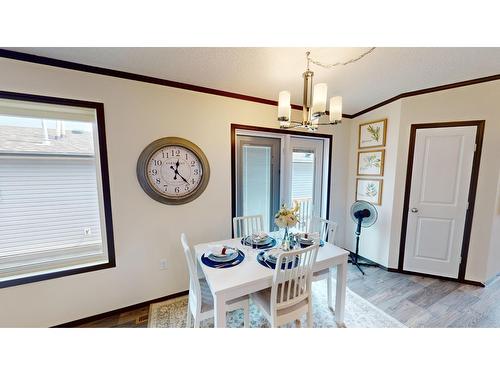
pixel 173 170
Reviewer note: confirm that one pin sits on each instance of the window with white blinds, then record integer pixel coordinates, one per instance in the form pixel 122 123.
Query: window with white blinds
pixel 52 208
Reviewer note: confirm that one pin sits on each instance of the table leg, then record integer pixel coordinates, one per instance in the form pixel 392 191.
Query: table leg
pixel 219 311
pixel 340 294
pixel 329 289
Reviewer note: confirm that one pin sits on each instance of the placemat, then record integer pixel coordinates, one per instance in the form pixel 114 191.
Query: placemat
pixel 210 263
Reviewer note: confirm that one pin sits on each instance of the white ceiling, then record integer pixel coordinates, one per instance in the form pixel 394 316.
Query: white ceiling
pixel 263 72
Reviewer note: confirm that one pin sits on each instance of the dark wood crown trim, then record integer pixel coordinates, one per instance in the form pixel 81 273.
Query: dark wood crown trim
pixel 21 56
pixel 132 76
pixel 427 91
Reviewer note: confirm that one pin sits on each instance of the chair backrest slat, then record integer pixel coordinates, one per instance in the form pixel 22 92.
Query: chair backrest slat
pixel 246 225
pixel 305 213
pixel 292 285
pixel 326 228
pixel 194 283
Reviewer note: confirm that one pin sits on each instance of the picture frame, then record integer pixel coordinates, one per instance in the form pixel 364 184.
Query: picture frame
pixel 370 190
pixel 371 162
pixel 372 134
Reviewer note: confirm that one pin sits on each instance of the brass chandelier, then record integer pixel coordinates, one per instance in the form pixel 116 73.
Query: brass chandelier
pixel 314 100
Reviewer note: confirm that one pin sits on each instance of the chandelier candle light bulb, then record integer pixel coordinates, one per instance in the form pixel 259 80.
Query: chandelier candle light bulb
pixel 284 107
pixel 319 100
pixel 335 109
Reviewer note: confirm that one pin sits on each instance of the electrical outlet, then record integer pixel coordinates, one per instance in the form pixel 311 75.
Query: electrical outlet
pixel 163 264
pixel 87 231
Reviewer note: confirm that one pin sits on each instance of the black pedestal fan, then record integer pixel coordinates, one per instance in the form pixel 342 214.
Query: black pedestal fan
pixel 364 214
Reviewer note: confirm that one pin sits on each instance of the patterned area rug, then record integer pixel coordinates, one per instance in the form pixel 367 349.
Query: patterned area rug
pixel 359 313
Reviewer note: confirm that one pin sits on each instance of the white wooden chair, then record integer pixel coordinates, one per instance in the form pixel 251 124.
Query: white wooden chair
pixel 246 225
pixel 201 303
pixel 327 230
pixel 289 298
pixel 305 214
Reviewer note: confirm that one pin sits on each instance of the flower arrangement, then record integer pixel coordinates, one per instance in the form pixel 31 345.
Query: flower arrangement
pixel 287 217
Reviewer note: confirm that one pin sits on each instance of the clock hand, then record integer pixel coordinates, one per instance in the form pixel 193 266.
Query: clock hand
pixel 178 174
pixel 175 170
pixel 183 178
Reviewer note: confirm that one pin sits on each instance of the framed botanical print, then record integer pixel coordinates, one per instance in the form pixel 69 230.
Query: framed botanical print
pixel 369 190
pixel 371 163
pixel 372 134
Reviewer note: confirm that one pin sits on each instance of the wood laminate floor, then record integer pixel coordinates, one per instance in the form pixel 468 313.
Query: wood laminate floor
pixel 413 300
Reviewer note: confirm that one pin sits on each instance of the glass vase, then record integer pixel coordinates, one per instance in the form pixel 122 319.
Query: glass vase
pixel 285 243
pixel 285 237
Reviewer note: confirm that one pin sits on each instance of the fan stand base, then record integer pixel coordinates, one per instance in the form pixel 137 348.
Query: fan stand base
pixel 354 256
pixel 354 261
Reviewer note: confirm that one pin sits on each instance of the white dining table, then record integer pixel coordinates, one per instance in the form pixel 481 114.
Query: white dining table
pixel 250 276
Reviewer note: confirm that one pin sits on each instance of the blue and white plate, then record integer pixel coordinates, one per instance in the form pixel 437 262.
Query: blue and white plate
pixel 223 258
pixel 260 237
pixel 306 241
pixel 217 264
pixel 321 244
pixel 264 241
pixel 266 262
pixel 272 255
pixel 268 243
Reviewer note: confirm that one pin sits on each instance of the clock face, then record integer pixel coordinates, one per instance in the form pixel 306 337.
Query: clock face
pixel 174 171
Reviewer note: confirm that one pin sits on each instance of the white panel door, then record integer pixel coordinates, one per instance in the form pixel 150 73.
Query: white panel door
pixel 442 167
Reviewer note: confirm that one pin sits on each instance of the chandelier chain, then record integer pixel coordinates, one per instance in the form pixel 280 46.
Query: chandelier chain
pixel 330 66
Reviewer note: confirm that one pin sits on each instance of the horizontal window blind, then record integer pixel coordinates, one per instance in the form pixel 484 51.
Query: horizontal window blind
pixel 46 111
pixel 303 179
pixel 49 212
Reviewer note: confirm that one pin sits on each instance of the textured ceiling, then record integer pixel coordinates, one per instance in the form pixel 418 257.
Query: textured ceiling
pixel 263 72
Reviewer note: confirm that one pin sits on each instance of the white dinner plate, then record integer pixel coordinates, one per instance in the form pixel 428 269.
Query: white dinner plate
pixel 249 241
pixel 223 258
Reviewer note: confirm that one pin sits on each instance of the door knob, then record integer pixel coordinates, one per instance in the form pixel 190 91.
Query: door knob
pixel 414 210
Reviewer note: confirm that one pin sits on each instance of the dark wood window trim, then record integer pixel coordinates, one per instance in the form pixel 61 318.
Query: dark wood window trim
pixel 472 190
pixel 21 56
pixel 235 127
pixel 99 108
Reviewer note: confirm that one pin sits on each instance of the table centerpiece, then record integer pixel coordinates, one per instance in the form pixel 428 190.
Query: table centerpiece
pixel 287 218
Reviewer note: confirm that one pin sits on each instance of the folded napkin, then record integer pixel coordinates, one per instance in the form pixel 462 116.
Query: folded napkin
pixel 219 250
pixel 273 253
pixel 309 237
pixel 259 236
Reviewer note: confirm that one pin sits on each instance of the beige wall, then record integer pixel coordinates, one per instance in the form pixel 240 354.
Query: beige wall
pixel 145 231
pixel 477 102
pixel 375 241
